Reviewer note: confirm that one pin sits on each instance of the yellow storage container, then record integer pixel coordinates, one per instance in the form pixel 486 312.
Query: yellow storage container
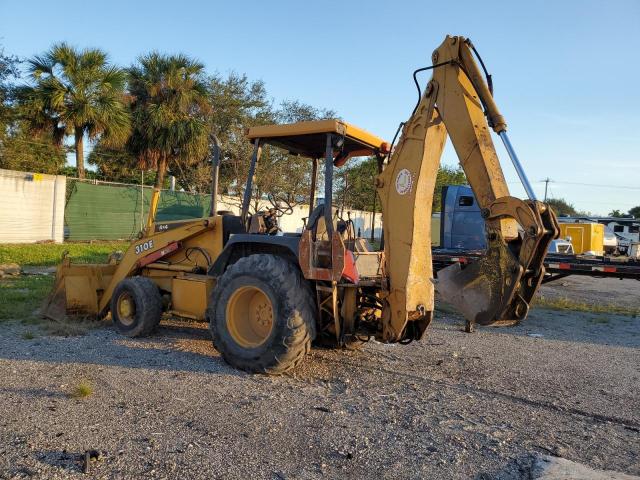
pixel 585 237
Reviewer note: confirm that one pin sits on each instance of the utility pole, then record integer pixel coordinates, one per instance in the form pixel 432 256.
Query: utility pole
pixel 546 186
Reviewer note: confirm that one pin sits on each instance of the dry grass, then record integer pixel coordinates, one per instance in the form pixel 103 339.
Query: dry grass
pixel 564 303
pixel 82 390
pixel 70 326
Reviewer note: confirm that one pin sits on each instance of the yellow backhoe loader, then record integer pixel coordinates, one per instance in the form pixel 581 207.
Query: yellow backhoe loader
pixel 267 297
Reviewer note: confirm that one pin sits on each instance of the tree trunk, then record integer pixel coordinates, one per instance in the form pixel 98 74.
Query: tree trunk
pixel 79 144
pixel 162 170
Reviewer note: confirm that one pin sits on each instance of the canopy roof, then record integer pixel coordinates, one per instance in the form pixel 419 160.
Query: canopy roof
pixel 309 138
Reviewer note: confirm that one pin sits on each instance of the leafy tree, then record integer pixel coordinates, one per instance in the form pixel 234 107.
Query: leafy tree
pixel 617 213
pixel 8 71
pixel 292 111
pixel 356 184
pixel 562 207
pixel 285 178
pixel 117 164
pixel 23 150
pixel 446 176
pixel 169 104
pixel 635 211
pixel 19 148
pixel 76 93
pixel 236 104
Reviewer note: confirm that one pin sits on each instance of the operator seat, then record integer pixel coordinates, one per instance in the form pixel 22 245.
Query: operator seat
pixel 231 224
pixel 316 224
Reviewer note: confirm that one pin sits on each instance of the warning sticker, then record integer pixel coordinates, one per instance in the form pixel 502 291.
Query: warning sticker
pixel 404 182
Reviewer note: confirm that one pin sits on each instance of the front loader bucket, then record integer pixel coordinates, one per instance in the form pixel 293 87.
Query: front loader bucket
pixel 486 291
pixel 77 289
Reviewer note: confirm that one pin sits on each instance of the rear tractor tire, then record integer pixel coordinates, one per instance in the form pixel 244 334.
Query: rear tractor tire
pixel 262 315
pixel 136 306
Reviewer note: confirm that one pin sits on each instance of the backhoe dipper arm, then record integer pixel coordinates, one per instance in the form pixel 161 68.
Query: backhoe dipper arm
pixel 457 102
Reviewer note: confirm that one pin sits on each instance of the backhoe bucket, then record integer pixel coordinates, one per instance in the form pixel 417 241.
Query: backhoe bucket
pixel 499 287
pixel 486 291
pixel 76 289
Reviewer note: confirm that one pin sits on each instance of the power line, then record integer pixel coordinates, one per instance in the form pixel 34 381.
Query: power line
pixel 562 182
pixel 623 204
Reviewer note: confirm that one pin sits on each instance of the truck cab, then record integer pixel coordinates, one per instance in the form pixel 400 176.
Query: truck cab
pixel 462 226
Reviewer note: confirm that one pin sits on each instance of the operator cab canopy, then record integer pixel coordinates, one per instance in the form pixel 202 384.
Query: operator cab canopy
pixel 309 139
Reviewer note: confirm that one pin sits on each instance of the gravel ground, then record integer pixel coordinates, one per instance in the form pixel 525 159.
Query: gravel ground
pixel 609 291
pixel 455 405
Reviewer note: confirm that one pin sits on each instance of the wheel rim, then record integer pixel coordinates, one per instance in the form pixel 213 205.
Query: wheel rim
pixel 249 316
pixel 126 309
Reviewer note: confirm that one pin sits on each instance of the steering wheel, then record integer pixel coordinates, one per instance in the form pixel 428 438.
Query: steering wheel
pixel 280 211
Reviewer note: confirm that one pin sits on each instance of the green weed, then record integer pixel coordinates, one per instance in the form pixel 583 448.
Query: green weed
pixel 20 297
pixel 45 254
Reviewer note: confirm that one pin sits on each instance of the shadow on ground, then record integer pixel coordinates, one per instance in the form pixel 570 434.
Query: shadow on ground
pixel 176 345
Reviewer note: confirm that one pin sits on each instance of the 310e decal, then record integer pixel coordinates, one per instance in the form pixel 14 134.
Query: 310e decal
pixel 143 247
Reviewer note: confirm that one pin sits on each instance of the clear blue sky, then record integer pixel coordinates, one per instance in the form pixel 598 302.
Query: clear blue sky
pixel 566 73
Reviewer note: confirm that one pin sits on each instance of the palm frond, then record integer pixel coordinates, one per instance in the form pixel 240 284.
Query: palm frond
pixel 170 97
pixel 73 90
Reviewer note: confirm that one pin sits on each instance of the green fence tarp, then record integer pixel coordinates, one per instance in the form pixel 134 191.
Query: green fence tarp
pixel 111 212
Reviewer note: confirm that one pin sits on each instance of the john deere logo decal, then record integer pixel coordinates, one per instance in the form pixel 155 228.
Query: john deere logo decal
pixel 404 182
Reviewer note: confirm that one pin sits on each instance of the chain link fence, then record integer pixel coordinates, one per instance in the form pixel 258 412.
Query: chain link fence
pixel 96 210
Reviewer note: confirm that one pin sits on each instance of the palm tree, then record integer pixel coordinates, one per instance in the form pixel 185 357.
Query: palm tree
pixel 77 93
pixel 169 107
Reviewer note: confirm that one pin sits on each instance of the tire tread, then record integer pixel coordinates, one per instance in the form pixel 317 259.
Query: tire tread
pixel 148 305
pixel 295 293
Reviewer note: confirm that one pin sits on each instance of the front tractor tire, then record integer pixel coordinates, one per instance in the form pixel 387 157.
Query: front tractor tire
pixel 262 315
pixel 136 306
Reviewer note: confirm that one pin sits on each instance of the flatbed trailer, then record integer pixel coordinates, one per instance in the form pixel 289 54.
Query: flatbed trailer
pixel 557 266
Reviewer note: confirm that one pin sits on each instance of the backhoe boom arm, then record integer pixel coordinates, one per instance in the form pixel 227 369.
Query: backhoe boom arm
pixel 457 102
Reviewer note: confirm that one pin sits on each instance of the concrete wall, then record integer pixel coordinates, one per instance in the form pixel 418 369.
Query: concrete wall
pixel 361 220
pixel 293 222
pixel 31 207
